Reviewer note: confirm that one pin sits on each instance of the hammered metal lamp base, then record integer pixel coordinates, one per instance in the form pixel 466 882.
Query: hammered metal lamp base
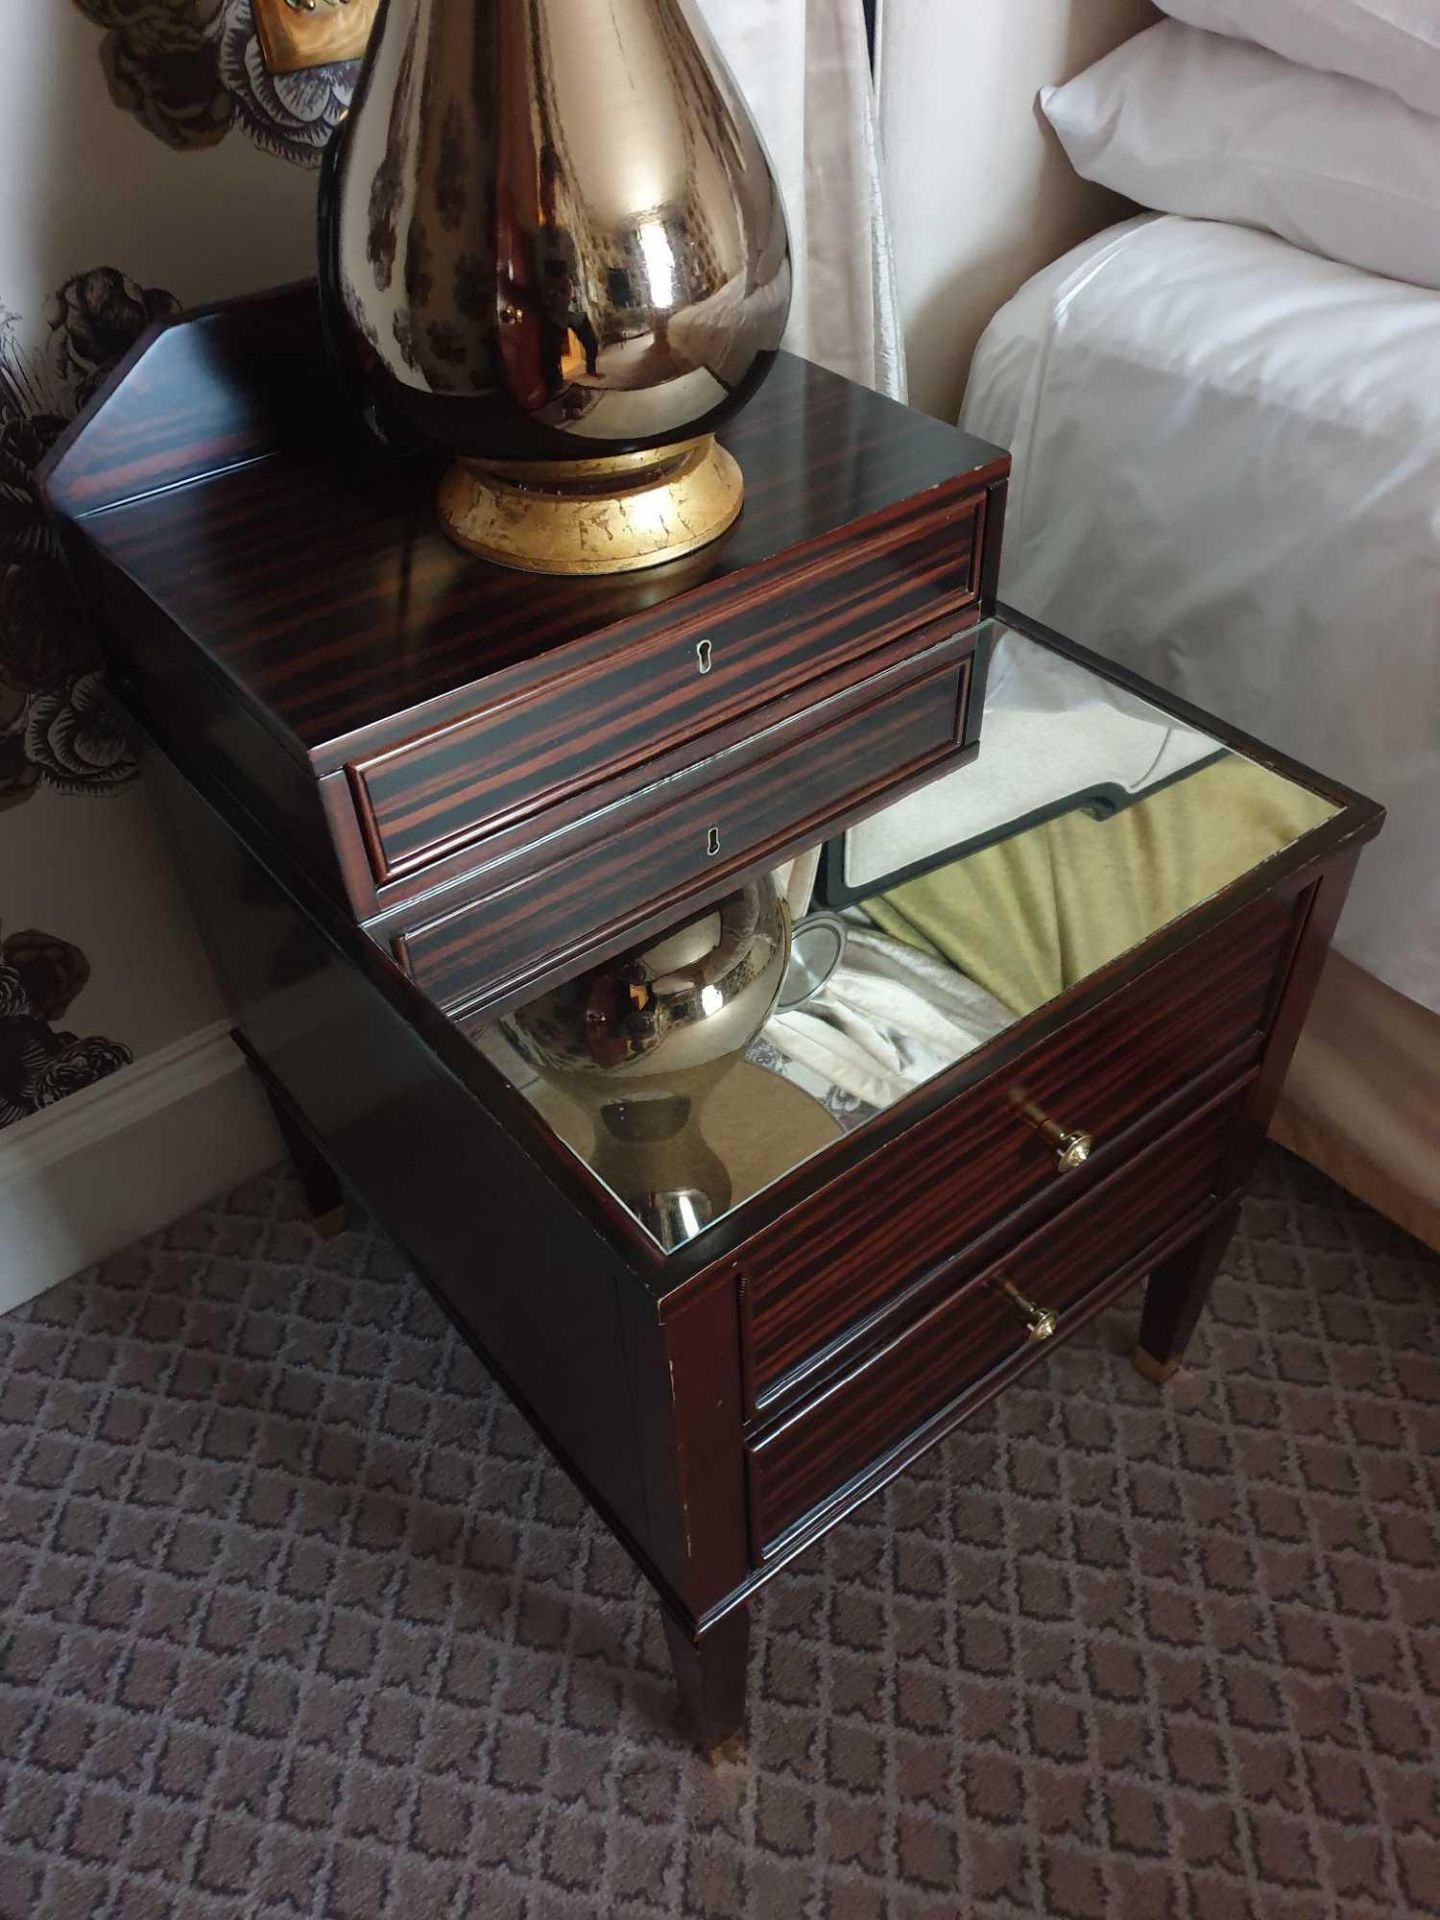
pixel 593 516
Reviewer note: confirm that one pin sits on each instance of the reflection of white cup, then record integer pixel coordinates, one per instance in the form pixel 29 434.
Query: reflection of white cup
pixel 817 947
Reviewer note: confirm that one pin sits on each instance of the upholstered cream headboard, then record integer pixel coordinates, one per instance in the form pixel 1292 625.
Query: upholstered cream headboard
pixel 979 193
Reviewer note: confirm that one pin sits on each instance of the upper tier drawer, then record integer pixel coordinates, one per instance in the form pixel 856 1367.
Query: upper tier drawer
pixel 827 1266
pixel 783 632
pixel 644 859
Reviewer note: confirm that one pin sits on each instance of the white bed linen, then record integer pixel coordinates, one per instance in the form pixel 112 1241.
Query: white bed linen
pixel 1227 476
pixel 1390 43
pixel 1187 122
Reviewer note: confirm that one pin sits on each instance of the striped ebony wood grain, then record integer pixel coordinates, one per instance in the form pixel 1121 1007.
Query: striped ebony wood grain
pixel 916 1203
pixel 528 836
pixel 752 805
pixel 279 609
pixel 223 386
pixel 954 1347
pixel 312 570
pixel 671 681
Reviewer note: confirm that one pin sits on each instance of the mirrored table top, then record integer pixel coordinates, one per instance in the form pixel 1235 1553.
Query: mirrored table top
pixel 693 1071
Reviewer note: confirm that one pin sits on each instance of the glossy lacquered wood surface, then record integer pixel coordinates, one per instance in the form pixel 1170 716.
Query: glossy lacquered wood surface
pixel 920 1200
pixel 895 1390
pixel 535 836
pixel 529 1281
pixel 385 702
pixel 683 841
pixel 194 397
pixel 313 574
pixel 280 610
pixel 788 629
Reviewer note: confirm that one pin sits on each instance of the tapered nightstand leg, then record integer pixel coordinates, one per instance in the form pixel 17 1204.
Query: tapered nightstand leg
pixel 324 1195
pixel 1176 1296
pixel 711 1673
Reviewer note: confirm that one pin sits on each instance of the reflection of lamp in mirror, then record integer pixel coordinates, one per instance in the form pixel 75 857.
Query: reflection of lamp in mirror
pixel 641 1041
pixel 552 244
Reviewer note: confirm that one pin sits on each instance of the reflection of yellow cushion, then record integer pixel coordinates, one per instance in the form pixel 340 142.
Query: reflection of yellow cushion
pixel 1032 915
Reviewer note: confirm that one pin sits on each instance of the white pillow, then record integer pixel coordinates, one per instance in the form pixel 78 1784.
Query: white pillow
pixel 1186 122
pixel 1390 43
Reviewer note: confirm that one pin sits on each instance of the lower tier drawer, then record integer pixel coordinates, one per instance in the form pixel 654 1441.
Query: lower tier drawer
pixel 836 1259
pixel 926 1374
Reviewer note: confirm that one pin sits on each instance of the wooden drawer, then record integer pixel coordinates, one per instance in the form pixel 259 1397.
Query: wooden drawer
pixel 912 1206
pixel 925 1375
pixel 644 859
pixel 730 654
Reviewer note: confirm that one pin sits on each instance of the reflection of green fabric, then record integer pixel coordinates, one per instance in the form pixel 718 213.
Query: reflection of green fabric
pixel 1032 915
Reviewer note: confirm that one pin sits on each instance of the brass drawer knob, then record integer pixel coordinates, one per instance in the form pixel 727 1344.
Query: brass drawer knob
pixel 1072 1147
pixel 1041 1323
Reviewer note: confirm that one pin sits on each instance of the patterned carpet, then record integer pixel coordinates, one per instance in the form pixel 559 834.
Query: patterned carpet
pixel 300 1622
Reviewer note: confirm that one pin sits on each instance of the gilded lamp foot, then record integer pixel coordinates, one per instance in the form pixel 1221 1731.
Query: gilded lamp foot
pixel 593 516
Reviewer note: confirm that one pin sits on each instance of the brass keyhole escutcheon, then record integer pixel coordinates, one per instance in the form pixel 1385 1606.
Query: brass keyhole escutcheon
pixel 1041 1323
pixel 704 655
pixel 712 842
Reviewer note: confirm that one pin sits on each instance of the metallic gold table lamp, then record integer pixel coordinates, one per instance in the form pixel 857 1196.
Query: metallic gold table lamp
pixel 552 245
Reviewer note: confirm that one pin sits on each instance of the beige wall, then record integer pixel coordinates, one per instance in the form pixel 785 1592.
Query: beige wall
pixel 979 193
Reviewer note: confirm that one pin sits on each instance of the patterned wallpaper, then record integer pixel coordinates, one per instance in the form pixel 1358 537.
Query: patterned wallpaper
pixel 149 160
pixel 190 71
pixel 189 75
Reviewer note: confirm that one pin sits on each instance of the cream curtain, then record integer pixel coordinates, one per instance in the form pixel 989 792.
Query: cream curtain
pixel 804 67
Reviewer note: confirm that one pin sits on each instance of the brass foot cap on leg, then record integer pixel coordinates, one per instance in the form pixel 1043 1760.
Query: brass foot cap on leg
pixel 730 1752
pixel 1156 1371
pixel 593 516
pixel 328 1226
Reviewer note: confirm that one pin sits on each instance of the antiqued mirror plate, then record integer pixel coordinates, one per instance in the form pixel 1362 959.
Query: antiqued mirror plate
pixel 693 1074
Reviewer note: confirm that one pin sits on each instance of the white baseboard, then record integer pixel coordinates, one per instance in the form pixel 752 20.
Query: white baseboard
pixel 117 1160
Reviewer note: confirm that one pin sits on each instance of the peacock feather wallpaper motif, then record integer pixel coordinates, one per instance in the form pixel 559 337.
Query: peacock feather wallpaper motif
pixel 188 75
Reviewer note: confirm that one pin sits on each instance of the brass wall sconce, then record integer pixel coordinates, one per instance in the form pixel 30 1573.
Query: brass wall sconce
pixel 295 34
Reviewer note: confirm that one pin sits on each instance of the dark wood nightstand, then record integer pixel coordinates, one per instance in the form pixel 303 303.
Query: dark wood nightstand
pixel 425 804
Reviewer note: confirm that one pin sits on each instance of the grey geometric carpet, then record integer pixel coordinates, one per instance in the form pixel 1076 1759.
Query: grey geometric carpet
pixel 300 1621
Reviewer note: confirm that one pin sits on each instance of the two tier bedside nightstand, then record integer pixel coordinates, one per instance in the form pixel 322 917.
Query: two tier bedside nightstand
pixel 421 800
